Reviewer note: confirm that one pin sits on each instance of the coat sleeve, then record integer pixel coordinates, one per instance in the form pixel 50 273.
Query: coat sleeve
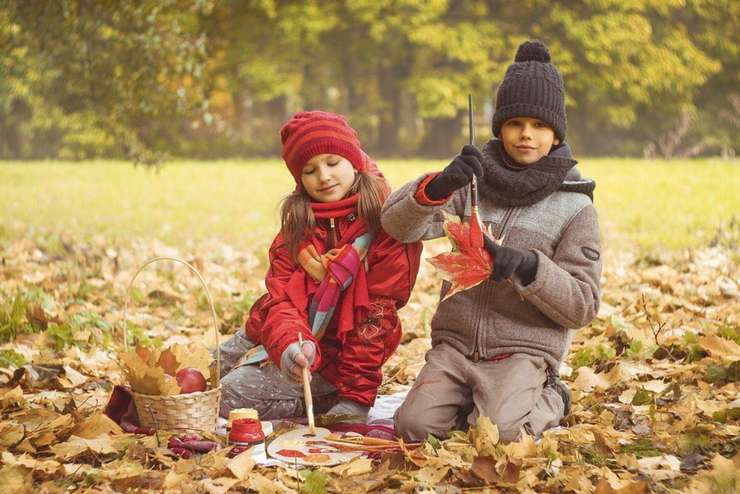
pixel 408 218
pixel 393 267
pixel 566 287
pixel 275 319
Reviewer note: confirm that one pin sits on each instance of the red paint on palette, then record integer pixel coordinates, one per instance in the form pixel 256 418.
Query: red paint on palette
pixel 291 453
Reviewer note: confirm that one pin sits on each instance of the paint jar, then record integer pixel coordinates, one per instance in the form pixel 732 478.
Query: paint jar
pixel 249 433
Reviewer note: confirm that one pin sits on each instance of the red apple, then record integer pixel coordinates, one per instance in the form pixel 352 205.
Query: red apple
pixel 190 380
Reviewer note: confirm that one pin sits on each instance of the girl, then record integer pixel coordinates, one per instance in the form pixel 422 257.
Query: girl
pixel 335 277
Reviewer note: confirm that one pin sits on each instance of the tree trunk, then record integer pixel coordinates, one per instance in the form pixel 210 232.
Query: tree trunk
pixel 389 85
pixel 442 137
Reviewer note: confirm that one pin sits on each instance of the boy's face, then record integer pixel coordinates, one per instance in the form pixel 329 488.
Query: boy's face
pixel 527 139
pixel 328 177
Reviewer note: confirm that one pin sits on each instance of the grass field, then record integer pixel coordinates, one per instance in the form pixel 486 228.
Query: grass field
pixel 675 204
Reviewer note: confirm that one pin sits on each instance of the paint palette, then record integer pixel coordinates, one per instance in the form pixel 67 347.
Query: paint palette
pixel 301 447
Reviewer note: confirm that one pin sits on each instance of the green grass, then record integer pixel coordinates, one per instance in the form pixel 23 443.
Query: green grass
pixel 657 204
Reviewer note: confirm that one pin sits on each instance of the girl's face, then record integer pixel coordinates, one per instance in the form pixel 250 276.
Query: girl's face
pixel 527 139
pixel 328 177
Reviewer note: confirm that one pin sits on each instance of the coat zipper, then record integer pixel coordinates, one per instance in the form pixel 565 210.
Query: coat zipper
pixel 500 239
pixel 333 233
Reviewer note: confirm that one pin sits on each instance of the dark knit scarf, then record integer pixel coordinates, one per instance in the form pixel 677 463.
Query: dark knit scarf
pixel 509 184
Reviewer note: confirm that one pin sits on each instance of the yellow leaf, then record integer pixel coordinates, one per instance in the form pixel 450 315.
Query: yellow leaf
pixel 16 480
pixel 11 397
pixel 95 425
pixel 173 480
pixel 218 486
pixel 76 446
pixel 484 436
pixel 524 448
pixel 241 464
pixel 11 434
pixel 196 356
pixel 431 475
pixel 721 348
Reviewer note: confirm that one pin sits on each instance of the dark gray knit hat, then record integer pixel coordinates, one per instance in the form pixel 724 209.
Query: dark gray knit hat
pixel 532 87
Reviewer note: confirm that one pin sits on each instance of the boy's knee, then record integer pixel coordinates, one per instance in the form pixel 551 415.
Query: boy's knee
pixel 412 426
pixel 509 432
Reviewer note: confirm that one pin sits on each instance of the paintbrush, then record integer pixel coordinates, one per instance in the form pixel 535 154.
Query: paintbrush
pixel 476 231
pixel 307 392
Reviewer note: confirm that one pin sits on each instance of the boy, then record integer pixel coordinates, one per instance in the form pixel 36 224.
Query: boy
pixel 496 348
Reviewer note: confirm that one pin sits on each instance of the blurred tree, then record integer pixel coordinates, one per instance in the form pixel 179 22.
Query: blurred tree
pixel 123 73
pixel 85 78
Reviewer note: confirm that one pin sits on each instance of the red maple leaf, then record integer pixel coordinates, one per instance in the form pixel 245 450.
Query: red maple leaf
pixel 467 265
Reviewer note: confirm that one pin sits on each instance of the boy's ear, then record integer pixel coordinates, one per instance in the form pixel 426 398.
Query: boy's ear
pixel 556 142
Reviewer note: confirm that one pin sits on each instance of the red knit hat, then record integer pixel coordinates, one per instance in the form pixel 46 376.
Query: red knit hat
pixel 309 133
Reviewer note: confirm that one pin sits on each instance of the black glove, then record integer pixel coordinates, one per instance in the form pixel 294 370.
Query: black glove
pixel 458 173
pixel 509 260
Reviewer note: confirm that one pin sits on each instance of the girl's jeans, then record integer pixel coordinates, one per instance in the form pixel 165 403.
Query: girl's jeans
pixel 264 388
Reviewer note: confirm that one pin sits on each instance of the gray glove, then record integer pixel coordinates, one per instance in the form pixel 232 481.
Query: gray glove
pixel 295 358
pixel 346 407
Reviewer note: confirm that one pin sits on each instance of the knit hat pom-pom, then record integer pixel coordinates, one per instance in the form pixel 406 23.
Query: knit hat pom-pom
pixel 532 51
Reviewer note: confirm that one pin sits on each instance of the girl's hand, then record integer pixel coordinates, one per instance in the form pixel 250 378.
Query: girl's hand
pixel 297 357
pixel 458 173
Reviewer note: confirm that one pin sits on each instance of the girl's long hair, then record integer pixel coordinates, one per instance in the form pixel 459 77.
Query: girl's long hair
pixel 297 221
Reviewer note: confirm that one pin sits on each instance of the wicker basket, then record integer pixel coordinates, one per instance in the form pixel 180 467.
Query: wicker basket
pixel 192 411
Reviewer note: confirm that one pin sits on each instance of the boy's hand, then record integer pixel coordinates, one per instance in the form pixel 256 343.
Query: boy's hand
pixel 296 357
pixel 509 260
pixel 458 173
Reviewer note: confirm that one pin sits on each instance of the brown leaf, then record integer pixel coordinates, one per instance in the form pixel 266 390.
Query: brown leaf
pixel 168 362
pixel 485 468
pixel 144 353
pixel 511 470
pixel 603 487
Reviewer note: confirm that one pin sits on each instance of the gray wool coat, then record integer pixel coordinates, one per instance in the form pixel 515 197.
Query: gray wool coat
pixel 497 318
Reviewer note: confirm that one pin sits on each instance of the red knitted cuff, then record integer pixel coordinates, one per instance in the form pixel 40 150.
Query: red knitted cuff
pixel 421 194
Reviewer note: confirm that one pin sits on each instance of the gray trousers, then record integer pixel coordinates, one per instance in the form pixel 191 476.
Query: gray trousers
pixel 264 388
pixel 452 391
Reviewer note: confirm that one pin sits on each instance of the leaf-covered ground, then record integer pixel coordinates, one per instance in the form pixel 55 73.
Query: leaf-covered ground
pixel 655 380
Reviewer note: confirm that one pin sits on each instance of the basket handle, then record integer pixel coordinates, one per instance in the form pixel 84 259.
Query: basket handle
pixel 208 296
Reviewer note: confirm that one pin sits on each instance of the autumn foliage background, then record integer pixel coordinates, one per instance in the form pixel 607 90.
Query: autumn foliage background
pixel 199 89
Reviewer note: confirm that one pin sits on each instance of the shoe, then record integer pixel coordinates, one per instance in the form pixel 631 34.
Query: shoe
pixel 554 381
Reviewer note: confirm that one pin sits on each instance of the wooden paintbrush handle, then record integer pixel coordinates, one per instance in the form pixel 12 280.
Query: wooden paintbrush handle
pixel 307 396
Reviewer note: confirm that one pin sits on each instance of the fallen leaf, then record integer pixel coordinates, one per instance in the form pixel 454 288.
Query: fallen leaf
pixel 484 436
pixel 218 486
pixel 721 348
pixel 484 467
pixel 241 464
pixel 588 380
pixel 466 266
pixel 603 487
pixel 95 425
pixel 75 446
pixel 660 467
pixel 16 479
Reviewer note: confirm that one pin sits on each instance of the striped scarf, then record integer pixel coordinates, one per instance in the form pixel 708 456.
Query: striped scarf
pixel 334 270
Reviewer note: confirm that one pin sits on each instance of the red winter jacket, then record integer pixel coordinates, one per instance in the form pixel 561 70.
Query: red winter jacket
pixel 351 360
